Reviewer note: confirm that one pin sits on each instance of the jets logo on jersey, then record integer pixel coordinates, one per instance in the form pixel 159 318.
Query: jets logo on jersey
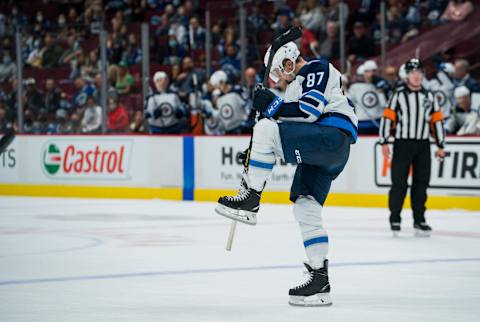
pixel 167 109
pixel 370 99
pixel 226 111
pixel 212 123
pixel 441 97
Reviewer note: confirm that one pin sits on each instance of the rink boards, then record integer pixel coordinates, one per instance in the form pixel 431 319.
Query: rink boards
pixel 204 167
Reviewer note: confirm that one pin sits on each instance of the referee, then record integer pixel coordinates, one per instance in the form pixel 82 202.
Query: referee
pixel 412 115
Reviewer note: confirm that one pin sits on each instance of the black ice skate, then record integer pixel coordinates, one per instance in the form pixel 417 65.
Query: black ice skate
pixel 243 207
pixel 422 230
pixel 395 227
pixel 315 291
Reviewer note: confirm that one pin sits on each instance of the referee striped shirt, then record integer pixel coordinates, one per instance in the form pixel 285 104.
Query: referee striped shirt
pixel 412 115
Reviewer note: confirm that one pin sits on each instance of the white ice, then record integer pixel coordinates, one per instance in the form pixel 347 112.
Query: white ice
pixel 151 260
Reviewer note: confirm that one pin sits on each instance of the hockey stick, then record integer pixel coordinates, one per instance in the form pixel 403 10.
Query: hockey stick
pixel 6 140
pixel 287 36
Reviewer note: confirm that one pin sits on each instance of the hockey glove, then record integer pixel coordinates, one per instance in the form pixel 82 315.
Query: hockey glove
pixel 266 102
pixel 178 113
pixel 157 113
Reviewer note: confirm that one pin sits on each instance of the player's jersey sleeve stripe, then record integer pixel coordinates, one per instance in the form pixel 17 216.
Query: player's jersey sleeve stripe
pixel 309 109
pixel 317 95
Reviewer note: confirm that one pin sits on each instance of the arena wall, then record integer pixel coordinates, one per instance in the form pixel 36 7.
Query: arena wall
pixel 205 167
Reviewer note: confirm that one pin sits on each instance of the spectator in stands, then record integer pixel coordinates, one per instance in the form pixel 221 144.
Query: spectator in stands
pixel 196 34
pixel 329 43
pixel 465 119
pixel 34 100
pixel 111 91
pixel 117 116
pixel 231 62
pixel 4 121
pixel 312 15
pixel 92 117
pixel 137 125
pixel 164 27
pixel 462 77
pixel 61 125
pixel 125 81
pixel 309 45
pixel 227 40
pixel 180 32
pixel 64 103
pixel 73 17
pixel 52 96
pixel 251 79
pixel 132 53
pixel 11 98
pixel 457 10
pixel 51 52
pixel 256 20
pixel 76 123
pixel 186 81
pixel 282 22
pixel 70 56
pixel 334 11
pixel 84 90
pixel 360 45
pixel 28 122
pixel 34 58
pixel 41 124
pixel 8 68
pixel 91 66
pixel 396 24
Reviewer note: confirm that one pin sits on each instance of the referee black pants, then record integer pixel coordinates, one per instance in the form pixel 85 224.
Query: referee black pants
pixel 406 153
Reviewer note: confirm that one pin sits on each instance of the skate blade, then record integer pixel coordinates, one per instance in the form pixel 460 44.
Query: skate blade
pixel 320 299
pixel 246 217
pixel 421 233
pixel 395 234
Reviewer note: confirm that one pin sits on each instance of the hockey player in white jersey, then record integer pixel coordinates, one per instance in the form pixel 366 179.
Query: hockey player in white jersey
pixel 232 107
pixel 313 127
pixel 163 108
pixel 442 86
pixel 369 97
pixel 211 115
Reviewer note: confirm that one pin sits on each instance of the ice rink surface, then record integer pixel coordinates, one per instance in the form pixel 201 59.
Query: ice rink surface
pixel 137 260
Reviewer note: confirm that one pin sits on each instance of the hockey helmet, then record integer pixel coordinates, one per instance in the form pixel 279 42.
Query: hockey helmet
pixel 218 77
pixel 413 64
pixel 288 51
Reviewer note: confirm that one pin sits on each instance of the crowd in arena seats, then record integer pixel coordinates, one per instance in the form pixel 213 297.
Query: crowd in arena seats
pixel 62 68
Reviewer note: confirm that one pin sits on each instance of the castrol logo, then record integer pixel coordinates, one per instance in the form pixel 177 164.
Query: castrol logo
pixel 103 159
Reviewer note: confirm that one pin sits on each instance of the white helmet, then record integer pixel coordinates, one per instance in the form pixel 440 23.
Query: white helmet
pixel 288 51
pixel 218 77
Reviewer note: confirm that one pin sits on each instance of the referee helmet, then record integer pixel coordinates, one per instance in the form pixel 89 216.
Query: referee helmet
pixel 413 64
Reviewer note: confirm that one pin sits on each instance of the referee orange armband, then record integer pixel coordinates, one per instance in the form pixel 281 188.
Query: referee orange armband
pixel 390 114
pixel 436 117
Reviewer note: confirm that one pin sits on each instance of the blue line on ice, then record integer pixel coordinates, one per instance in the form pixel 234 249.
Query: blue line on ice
pixel 227 269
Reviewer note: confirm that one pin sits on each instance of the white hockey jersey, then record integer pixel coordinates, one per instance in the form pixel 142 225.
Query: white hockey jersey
pixel 163 109
pixel 368 100
pixel 442 87
pixel 212 125
pixel 316 96
pixel 233 110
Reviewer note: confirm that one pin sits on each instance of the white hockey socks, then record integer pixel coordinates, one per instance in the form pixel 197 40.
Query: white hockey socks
pixel 265 144
pixel 308 213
